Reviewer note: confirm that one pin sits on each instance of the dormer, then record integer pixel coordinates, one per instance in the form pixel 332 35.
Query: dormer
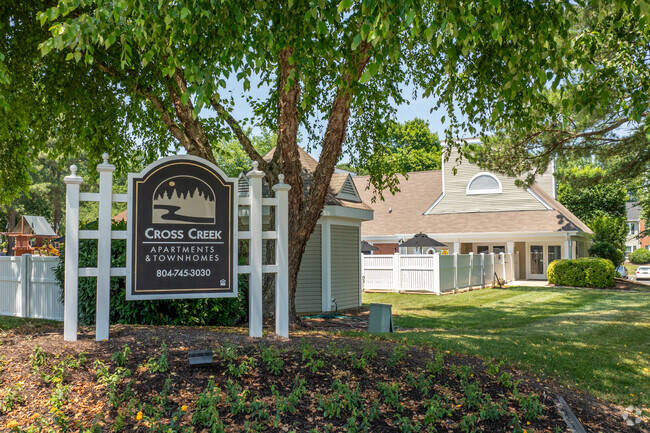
pixel 347 190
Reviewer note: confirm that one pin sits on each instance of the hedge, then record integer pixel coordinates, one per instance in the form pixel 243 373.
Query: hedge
pixel 198 312
pixel 640 256
pixel 605 250
pixel 583 272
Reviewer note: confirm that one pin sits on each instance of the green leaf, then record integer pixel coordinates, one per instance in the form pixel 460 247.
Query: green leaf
pixel 356 41
pixel 345 5
pixel 184 13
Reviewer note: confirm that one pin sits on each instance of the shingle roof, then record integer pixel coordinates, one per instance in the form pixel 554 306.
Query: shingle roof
pixel 403 212
pixel 633 211
pixel 338 179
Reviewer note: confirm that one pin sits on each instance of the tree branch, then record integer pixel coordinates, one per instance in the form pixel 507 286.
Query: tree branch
pixel 243 139
pixel 158 105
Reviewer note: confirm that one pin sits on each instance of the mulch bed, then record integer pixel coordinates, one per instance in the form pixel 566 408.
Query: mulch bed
pixel 161 396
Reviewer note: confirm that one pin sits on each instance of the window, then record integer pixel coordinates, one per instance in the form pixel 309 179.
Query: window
pixel 483 183
pixel 498 249
pixel 483 249
pixel 632 228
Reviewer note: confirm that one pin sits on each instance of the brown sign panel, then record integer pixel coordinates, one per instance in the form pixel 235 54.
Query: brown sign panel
pixel 181 231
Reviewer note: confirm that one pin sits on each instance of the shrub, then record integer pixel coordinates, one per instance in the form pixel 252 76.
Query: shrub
pixel 583 272
pixel 640 256
pixel 198 312
pixel 605 250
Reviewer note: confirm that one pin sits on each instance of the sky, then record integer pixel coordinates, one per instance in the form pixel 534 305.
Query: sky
pixel 419 107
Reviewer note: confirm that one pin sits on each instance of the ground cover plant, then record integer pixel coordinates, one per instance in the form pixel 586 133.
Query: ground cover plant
pixel 310 383
pixel 591 339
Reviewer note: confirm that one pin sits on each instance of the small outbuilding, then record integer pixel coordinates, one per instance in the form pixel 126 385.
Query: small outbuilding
pixel 330 272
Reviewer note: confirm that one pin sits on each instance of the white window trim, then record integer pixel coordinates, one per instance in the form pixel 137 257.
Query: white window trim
pixel 484 191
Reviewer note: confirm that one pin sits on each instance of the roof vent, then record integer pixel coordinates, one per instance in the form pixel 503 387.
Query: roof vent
pixel 348 191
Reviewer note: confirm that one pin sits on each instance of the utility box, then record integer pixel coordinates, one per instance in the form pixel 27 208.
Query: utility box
pixel 381 318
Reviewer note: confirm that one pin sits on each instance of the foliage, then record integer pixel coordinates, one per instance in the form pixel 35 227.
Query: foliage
pixel 599 112
pixel 581 192
pixel 233 160
pixel 410 146
pixel 610 229
pixel 582 272
pixel 194 312
pixel 605 250
pixel 159 364
pixel 640 256
pixel 335 67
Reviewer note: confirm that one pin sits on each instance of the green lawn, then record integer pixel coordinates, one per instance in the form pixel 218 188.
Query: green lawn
pixel 596 340
pixel 9 322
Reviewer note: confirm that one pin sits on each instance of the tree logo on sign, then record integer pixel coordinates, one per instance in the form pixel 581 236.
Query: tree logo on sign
pixel 183 200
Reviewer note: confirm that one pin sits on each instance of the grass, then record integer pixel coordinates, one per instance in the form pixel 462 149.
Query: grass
pixel 11 322
pixel 596 340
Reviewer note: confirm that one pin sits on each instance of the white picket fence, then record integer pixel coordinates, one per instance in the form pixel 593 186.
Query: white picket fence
pixel 28 287
pixel 434 273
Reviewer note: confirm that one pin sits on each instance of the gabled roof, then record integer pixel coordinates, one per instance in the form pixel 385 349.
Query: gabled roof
pixel 633 210
pixel 34 225
pixel 339 194
pixel 404 212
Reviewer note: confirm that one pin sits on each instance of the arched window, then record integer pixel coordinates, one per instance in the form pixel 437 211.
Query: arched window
pixel 483 183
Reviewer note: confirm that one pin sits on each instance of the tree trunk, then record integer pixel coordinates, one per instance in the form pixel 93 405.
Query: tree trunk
pixel 11 223
pixel 304 212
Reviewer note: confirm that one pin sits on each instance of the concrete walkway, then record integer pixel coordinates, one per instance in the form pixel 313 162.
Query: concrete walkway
pixel 529 283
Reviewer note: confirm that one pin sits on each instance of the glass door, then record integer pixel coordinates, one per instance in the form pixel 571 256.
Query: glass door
pixel 537 261
pixel 554 253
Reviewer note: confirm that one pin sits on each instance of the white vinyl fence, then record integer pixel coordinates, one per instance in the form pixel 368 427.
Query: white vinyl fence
pixel 28 287
pixel 435 273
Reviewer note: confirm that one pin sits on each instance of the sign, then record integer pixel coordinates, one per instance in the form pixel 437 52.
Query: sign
pixel 182 225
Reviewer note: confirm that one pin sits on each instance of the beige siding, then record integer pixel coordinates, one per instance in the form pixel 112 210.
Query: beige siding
pixel 345 266
pixel 546 180
pixel 520 247
pixel 456 200
pixel 309 292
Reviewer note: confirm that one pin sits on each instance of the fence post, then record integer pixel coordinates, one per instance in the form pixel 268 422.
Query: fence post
pixel 397 274
pixel 436 273
pixel 71 284
pixel 503 263
pixel 255 278
pixel 104 249
pixel 471 269
pixel 455 271
pixel 282 245
pixel 493 268
pixel 24 291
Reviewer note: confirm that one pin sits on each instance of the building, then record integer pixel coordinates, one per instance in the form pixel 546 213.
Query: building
pixel 479 212
pixel 636 226
pixel 331 265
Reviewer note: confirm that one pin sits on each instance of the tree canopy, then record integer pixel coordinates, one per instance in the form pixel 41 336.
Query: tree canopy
pixel 586 198
pixel 598 111
pixel 410 146
pixel 158 75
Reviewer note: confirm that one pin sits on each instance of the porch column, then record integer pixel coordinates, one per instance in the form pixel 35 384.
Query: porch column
pixel 568 249
pixel 510 248
pixel 456 248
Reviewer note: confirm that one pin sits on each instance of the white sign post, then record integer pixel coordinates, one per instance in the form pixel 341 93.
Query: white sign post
pixel 105 234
